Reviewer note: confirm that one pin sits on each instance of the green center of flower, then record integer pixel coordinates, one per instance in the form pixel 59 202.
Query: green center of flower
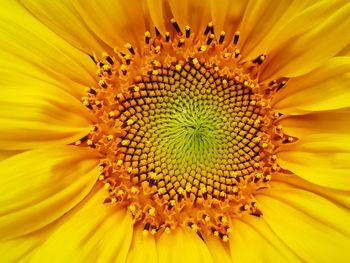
pixel 185 131
pixel 190 130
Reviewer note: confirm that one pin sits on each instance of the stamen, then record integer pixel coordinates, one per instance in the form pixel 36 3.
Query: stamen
pixel 93 58
pixel 236 38
pixel 188 31
pixel 260 59
pixel 181 42
pixel 157 31
pixel 167 36
pixel 175 25
pixel 222 37
pixel 210 39
pixel 147 37
pixel 91 91
pixel 209 29
pixel 108 58
pixel 130 48
pixel 281 85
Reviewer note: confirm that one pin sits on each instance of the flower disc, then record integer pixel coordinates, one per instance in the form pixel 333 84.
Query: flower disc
pixel 185 131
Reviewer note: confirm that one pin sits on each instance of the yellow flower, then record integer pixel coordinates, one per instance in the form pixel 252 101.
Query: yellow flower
pixel 174 131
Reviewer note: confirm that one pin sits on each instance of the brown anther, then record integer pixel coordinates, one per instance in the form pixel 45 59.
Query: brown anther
pixel 147 226
pixel 281 85
pixel 272 82
pixel 167 36
pixel 102 83
pixel 175 25
pixel 237 53
pixel 260 59
pixel 93 58
pixel 90 90
pixel 256 213
pixel 123 69
pixel 181 42
pixel 93 128
pixel 108 58
pixel 222 37
pixel 127 59
pixel 157 31
pixel 188 31
pixel 236 38
pixel 147 37
pixel 210 39
pixel 130 48
pixel 100 64
pixel 209 29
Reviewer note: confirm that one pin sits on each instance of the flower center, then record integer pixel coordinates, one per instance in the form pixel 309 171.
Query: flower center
pixel 185 131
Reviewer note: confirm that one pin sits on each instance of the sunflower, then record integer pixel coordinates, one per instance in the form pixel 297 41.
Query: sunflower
pixel 175 131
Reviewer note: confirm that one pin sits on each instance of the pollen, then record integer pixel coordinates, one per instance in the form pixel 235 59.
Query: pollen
pixel 185 130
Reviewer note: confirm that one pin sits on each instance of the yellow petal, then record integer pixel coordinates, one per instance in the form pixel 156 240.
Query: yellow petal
pixel 227 16
pixel 312 226
pixel 4 154
pixel 195 13
pixel 321 163
pixel 306 49
pixel 345 51
pixel 29 47
pixel 336 122
pixel 158 15
pixel 338 197
pixel 325 131
pixel 116 22
pixel 97 232
pixel 34 113
pixel 318 206
pixel 21 249
pixel 39 186
pixel 143 248
pixel 62 18
pixel 218 250
pixel 15 250
pixel 252 240
pixel 182 245
pixel 325 88
pixel 262 23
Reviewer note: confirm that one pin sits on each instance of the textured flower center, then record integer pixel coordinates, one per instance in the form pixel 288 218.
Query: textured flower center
pixel 191 129
pixel 185 131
